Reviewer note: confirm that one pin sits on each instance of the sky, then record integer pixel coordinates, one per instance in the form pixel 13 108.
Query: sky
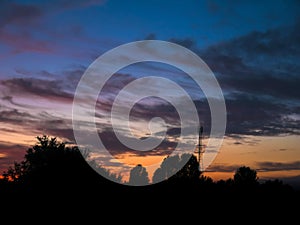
pixel 251 47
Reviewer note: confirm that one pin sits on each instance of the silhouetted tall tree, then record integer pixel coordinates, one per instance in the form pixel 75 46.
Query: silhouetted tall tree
pixel 139 176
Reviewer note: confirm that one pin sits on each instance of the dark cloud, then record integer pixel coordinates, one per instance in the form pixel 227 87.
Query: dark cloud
pixel 238 143
pixel 14 13
pixel 145 111
pixel 54 126
pixel 212 6
pixel 71 77
pixel 174 132
pixel 253 115
pixel 16 22
pixel 68 79
pixel 239 139
pixel 10 153
pixel 151 107
pixel 66 4
pixel 115 147
pixel 14 116
pixel 259 75
pixel 110 90
pixel 223 167
pixel 187 42
pixel 23 41
pixel 151 36
pixel 65 134
pixel 50 89
pixel 260 63
pixel 40 124
pixel 278 166
pixel 115 84
pixel 18 14
pixel 262 83
pixel 260 167
pixel 11 101
pixel 24 26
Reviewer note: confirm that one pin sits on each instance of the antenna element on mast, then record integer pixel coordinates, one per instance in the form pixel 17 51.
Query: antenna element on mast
pixel 200 150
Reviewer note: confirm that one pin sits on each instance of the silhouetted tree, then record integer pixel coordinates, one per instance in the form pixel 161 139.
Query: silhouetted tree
pixel 167 168
pixel 206 179
pixel 245 177
pixel 190 170
pixel 51 167
pixel 184 167
pixel 52 164
pixel 15 173
pixel 139 176
pixel 276 185
pixel 105 172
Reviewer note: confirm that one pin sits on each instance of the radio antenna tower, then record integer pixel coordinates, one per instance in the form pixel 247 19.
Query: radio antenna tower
pixel 200 150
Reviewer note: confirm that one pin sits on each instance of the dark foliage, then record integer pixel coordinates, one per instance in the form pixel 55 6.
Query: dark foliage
pixel 54 172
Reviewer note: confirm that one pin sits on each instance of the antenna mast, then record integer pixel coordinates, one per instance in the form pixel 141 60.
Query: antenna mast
pixel 200 150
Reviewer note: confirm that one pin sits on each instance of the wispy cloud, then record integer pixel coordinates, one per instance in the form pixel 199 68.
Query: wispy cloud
pixel 25 28
pixel 28 13
pixel 10 153
pixel 14 116
pixel 223 167
pixel 50 89
pixel 115 147
pixel 278 166
pixel 41 123
pixel 18 14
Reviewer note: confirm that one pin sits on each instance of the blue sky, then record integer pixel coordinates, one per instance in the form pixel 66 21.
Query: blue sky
pixel 71 32
pixel 252 47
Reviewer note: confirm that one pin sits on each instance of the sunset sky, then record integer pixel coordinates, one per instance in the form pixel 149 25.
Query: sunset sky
pixel 252 47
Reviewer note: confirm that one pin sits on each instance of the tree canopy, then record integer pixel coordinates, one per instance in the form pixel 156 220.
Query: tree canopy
pixel 54 166
pixel 184 167
pixel 245 177
pixel 138 176
pixel 50 163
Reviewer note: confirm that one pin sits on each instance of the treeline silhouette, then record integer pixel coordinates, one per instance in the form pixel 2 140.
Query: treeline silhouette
pixel 51 168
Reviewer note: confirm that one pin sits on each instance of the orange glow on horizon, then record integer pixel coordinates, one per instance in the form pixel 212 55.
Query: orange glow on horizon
pixel 250 151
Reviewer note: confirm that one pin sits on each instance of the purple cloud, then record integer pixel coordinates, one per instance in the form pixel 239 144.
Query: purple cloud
pixel 10 153
pixel 50 89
